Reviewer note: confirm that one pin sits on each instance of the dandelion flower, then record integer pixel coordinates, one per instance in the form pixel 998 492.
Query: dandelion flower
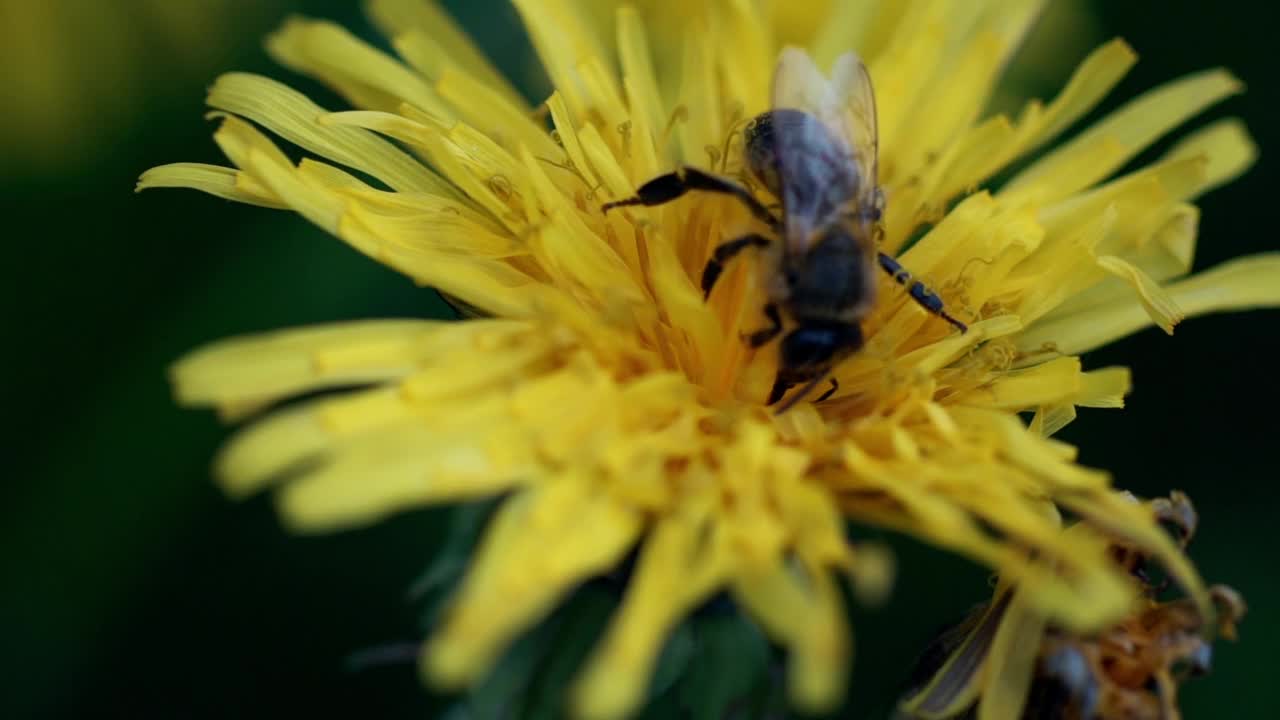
pixel 614 409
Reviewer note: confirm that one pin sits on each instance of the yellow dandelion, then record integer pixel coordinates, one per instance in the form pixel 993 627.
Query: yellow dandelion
pixel 614 408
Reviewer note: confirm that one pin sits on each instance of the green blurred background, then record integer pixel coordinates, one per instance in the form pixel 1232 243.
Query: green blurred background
pixel 131 586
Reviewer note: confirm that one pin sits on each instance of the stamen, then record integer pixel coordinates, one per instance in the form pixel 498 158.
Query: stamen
pixel 679 115
pixel 624 130
pixel 501 186
pixel 735 127
pixel 571 169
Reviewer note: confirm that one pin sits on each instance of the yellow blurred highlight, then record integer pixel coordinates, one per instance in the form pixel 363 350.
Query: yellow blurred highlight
pixel 77 71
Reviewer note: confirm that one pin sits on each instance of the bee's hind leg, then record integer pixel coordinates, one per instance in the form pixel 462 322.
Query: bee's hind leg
pixel 723 254
pixel 918 291
pixel 665 188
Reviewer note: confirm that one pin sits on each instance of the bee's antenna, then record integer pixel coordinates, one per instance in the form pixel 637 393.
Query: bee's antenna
pixel 808 388
pixel 954 322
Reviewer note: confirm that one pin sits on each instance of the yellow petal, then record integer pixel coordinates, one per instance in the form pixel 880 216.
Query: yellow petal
pixel 1049 419
pixel 1245 284
pixel 683 561
pixel 1054 381
pixel 563 37
pixel 1120 516
pixel 1104 388
pixel 801 609
pixel 509 124
pixel 644 100
pixel 367 77
pixel 543 541
pixel 392 469
pixel 1089 84
pixel 291 115
pixel 844 27
pixel 957 683
pixel 1228 147
pixel 1009 667
pixel 1125 133
pixel 218 181
pixel 278 364
pixel 1164 312
pixel 434 44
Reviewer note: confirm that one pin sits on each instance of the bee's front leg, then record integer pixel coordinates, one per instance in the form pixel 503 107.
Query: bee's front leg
pixel 835 385
pixel 723 254
pixel 780 388
pixel 665 188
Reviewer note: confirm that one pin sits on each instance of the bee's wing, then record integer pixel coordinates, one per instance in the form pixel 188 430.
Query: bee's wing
pixel 855 103
pixel 845 104
pixel 798 84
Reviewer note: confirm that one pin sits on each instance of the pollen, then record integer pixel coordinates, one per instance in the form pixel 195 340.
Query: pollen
pixel 615 410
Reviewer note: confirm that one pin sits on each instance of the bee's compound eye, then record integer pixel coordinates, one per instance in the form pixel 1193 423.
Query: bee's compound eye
pixel 816 346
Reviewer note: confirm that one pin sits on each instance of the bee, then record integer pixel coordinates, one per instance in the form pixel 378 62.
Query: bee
pixel 816 151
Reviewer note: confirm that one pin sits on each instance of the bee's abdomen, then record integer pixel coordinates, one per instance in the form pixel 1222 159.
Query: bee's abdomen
pixel 832 280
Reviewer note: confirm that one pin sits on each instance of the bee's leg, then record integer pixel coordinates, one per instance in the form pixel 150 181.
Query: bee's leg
pixel 760 337
pixel 723 254
pixel 665 188
pixel 835 385
pixel 780 388
pixel 918 291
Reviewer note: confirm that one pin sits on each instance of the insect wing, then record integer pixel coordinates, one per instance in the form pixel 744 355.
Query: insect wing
pixel 798 84
pixel 854 107
pixel 828 161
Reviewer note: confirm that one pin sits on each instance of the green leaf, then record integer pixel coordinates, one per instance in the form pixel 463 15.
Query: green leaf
pixel 449 563
pixel 674 660
pixel 531 679
pixel 580 625
pixel 729 669
pixel 501 694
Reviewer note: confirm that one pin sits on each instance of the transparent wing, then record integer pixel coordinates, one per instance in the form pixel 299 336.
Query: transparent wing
pixel 854 107
pixel 845 105
pixel 798 84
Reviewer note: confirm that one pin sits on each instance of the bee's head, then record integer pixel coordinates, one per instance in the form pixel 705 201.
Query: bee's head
pixel 813 348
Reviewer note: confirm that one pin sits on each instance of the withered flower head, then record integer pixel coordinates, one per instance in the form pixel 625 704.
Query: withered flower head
pixel 1001 662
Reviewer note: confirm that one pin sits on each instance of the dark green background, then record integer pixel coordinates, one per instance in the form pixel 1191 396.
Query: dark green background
pixel 132 587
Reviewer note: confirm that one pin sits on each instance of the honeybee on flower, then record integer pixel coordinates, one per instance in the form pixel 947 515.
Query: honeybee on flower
pixel 612 404
pixel 816 152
